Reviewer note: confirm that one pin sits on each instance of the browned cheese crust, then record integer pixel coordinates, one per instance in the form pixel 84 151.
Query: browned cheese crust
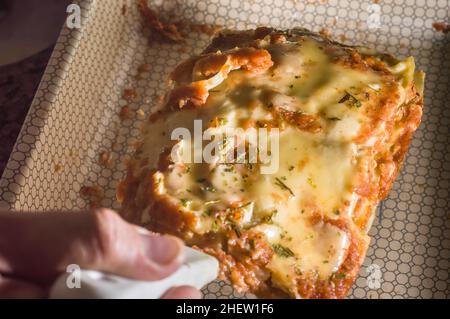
pixel 244 254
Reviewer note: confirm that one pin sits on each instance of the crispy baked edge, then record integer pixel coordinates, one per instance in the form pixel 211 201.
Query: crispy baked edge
pixel 139 194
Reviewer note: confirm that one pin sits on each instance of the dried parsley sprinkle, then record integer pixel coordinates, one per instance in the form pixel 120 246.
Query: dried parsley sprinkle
pixel 334 119
pixel 337 276
pixel 298 271
pixel 222 121
pixel 310 182
pixel 208 212
pixel 232 209
pixel 268 219
pixel 185 202
pixel 282 251
pixel 224 143
pixel 229 168
pixel 206 188
pixel 283 186
pixel 245 205
pixel 291 168
pixel 261 124
pixel 215 226
pixel 345 98
pixel 350 99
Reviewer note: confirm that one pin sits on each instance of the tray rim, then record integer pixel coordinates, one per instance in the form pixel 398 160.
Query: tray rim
pixel 66 46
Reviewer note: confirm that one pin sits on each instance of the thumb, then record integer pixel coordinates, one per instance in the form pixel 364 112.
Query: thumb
pixel 39 246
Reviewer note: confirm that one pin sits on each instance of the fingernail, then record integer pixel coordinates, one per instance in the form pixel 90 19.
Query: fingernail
pixel 163 250
pixel 143 231
pixel 183 292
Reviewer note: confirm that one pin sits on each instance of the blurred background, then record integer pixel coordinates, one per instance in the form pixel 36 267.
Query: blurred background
pixel 28 31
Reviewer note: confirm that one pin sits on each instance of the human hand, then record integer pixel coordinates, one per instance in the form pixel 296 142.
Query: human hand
pixel 35 248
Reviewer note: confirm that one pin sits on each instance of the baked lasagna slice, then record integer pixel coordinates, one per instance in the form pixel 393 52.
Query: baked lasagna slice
pixel 337 121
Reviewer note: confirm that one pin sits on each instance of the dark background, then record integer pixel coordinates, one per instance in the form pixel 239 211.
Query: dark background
pixel 28 31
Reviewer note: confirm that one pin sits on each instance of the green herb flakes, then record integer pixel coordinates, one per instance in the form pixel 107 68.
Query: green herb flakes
pixel 282 251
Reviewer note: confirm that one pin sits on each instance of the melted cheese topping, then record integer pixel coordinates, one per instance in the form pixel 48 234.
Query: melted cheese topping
pixel 316 173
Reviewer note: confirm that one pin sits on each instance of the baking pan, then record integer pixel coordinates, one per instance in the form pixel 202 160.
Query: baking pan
pixel 78 114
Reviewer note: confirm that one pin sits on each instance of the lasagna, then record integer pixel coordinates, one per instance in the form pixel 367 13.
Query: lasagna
pixel 343 118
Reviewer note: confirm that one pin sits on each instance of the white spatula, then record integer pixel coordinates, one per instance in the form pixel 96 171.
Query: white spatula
pixel 198 270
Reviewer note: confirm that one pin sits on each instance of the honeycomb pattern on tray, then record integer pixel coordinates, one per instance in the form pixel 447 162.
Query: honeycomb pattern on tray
pixel 75 116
